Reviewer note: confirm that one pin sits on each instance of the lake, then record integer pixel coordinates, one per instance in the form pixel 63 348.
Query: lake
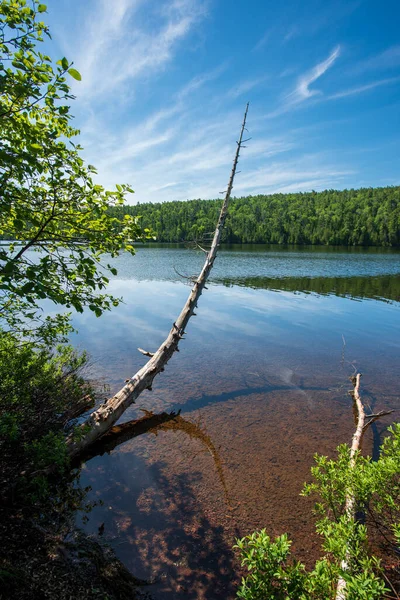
pixel 261 382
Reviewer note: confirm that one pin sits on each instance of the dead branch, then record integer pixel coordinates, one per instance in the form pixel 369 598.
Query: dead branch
pixel 189 278
pixel 350 497
pixel 101 420
pixel 145 353
pixel 194 244
pixel 350 502
pixel 201 248
pixel 82 406
pixel 376 416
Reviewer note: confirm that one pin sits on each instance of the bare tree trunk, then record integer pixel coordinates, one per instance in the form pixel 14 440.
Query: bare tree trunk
pixel 100 421
pixel 350 498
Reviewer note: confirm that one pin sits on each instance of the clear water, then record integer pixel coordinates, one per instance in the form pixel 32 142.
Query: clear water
pixel 261 382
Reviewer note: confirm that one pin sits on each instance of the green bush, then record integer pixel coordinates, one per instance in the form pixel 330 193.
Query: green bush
pixel 273 574
pixel 40 393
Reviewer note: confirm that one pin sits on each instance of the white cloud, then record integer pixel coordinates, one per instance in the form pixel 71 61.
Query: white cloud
pixel 200 80
pixel 245 86
pixel 288 71
pixel 363 88
pixel 293 32
pixel 388 59
pixel 180 144
pixel 185 150
pixel 300 174
pixel 303 91
pixel 263 40
pixel 195 163
pixel 118 45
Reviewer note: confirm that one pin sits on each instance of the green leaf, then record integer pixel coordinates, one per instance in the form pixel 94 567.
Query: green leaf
pixel 42 8
pixel 8 267
pixel 18 224
pixel 63 63
pixel 28 287
pixel 75 74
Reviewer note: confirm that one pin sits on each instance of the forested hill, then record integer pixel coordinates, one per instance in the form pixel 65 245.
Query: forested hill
pixel 369 217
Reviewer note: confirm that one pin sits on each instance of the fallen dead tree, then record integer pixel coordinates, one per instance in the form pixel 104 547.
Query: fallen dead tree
pixel 362 421
pixel 101 420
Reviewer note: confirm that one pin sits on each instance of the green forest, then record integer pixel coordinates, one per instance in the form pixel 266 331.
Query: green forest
pixel 363 217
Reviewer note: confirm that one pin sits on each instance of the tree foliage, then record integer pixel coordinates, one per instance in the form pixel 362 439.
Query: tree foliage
pixel 49 200
pixel 364 217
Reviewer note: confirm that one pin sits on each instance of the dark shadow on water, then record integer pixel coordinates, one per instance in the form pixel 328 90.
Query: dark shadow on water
pixel 371 403
pixel 154 423
pixel 124 432
pixel 207 399
pixel 166 540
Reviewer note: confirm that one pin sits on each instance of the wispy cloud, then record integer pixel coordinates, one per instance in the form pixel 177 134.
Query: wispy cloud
pixel 309 172
pixel 160 126
pixel 176 139
pixel 183 151
pixel 200 80
pixel 288 71
pixel 120 45
pixel 302 90
pixel 197 159
pixel 186 156
pixel 363 88
pixel 263 41
pixel 246 86
pixel 389 59
pixel 293 32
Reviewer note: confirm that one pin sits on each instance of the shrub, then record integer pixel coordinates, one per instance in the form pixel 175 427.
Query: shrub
pixel 274 575
pixel 41 391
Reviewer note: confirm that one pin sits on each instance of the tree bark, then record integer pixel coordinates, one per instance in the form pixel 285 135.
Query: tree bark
pixel 350 507
pixel 101 420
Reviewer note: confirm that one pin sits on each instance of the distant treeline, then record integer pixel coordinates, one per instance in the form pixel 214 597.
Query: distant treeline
pixel 364 217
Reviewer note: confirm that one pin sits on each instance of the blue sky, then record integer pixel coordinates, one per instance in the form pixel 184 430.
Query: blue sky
pixel 165 84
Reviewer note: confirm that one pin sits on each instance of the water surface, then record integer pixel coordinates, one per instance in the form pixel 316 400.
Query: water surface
pixel 262 384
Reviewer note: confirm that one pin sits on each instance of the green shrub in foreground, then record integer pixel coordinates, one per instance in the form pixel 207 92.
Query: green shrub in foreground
pixel 40 390
pixel 274 574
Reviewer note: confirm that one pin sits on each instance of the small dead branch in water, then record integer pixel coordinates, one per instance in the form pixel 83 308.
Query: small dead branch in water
pixel 145 353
